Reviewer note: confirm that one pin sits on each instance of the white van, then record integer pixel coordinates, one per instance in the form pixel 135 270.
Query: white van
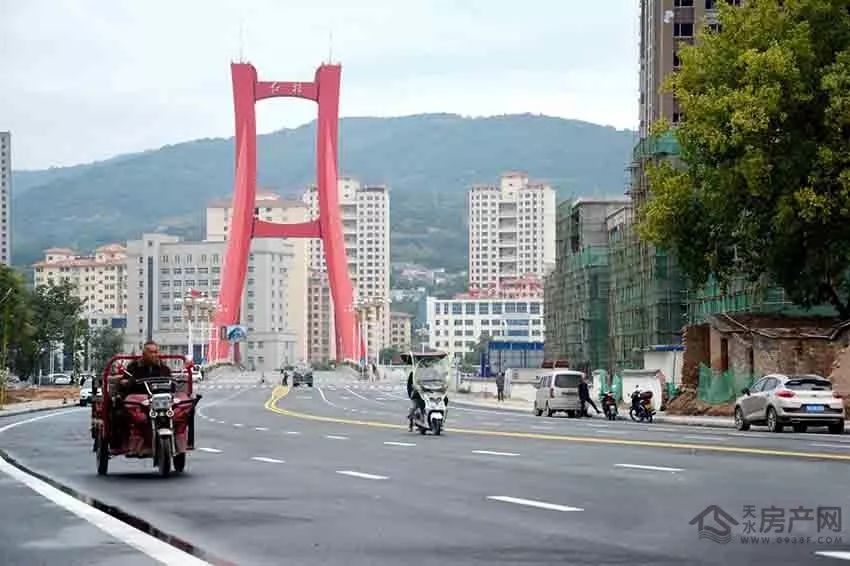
pixel 557 390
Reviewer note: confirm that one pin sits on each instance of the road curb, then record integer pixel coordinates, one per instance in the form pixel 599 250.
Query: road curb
pixel 135 521
pixel 658 419
pixel 5 415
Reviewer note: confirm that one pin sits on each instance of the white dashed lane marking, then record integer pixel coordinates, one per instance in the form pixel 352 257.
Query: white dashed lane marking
pixel 267 460
pixel 361 475
pixel 532 503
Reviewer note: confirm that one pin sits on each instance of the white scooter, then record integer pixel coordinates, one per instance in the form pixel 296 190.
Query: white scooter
pixel 434 416
pixel 430 381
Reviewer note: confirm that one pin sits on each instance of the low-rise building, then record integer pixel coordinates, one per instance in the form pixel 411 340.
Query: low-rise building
pixel 456 325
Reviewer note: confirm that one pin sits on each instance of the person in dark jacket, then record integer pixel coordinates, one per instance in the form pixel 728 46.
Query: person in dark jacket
pixel 500 386
pixel 584 397
pixel 415 401
pixel 132 381
pixel 147 367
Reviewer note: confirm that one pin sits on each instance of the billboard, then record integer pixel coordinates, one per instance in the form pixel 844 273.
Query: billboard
pixel 234 333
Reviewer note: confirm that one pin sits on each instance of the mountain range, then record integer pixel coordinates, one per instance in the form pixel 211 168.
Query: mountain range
pixel 428 161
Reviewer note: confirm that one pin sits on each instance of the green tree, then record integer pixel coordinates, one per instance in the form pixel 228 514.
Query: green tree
pixel 104 343
pixel 57 309
pixel 765 143
pixel 15 325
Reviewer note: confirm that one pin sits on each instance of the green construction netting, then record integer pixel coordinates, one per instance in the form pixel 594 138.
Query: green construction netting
pixel 717 387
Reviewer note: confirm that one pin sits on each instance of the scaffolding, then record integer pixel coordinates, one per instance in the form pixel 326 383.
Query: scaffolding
pixel 578 290
pixel 647 304
pixel 741 295
pixel 586 285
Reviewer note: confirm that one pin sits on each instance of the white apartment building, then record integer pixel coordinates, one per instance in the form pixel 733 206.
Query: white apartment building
pixel 162 269
pixel 273 208
pixel 511 232
pixel 455 325
pixel 365 215
pixel 100 280
pixel 5 198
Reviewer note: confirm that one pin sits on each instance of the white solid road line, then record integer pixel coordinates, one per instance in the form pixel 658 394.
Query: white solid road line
pixel 260 428
pixel 702 437
pixel 359 396
pixel 361 475
pixel 653 468
pixel 494 453
pixel 400 443
pixel 143 542
pixel 267 460
pixel 325 399
pixel 335 437
pixel 838 554
pixel 532 503
pixel 663 429
pixel 210 450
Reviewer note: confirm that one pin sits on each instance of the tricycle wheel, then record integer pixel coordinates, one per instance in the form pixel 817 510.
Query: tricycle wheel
pixel 164 457
pixel 180 463
pixel 102 455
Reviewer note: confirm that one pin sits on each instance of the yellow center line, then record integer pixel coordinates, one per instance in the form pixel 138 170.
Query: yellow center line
pixel 280 392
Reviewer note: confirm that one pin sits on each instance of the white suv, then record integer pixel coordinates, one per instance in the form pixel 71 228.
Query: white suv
pixel 778 400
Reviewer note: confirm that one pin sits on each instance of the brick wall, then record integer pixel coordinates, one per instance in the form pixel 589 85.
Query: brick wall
pixel 740 350
pixel 795 355
pixel 696 341
pixel 715 347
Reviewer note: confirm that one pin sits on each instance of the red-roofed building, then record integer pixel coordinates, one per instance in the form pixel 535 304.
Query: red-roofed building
pixel 99 278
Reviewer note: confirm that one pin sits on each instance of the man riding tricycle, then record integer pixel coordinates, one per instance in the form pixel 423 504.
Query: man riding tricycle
pixel 141 410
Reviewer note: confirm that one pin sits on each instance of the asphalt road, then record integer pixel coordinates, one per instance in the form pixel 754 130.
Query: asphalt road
pixel 331 475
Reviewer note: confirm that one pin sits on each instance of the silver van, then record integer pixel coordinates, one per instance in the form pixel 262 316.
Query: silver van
pixel 558 391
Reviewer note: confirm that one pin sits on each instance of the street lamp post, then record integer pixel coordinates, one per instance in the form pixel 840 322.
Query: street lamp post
pixel 193 303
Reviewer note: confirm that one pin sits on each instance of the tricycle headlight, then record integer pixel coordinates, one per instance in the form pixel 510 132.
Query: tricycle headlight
pixel 161 401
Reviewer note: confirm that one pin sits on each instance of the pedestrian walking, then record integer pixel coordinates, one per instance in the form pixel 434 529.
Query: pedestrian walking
pixel 584 398
pixel 500 386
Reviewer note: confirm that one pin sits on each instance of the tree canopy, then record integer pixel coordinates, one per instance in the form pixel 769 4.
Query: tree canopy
pixel 763 187
pixel 30 321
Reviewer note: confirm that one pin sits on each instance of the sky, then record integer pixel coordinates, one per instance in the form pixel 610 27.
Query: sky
pixel 84 80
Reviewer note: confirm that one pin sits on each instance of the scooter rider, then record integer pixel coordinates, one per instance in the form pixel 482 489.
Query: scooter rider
pixel 415 401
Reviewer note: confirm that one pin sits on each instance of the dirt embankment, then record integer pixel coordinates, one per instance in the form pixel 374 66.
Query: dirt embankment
pixel 686 403
pixel 41 393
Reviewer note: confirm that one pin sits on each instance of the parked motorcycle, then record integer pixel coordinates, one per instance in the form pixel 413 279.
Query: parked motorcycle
pixel 609 406
pixel 641 409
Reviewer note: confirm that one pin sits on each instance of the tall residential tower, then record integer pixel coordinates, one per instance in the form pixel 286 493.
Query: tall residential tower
pixel 5 198
pixel 366 231
pixel 511 233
